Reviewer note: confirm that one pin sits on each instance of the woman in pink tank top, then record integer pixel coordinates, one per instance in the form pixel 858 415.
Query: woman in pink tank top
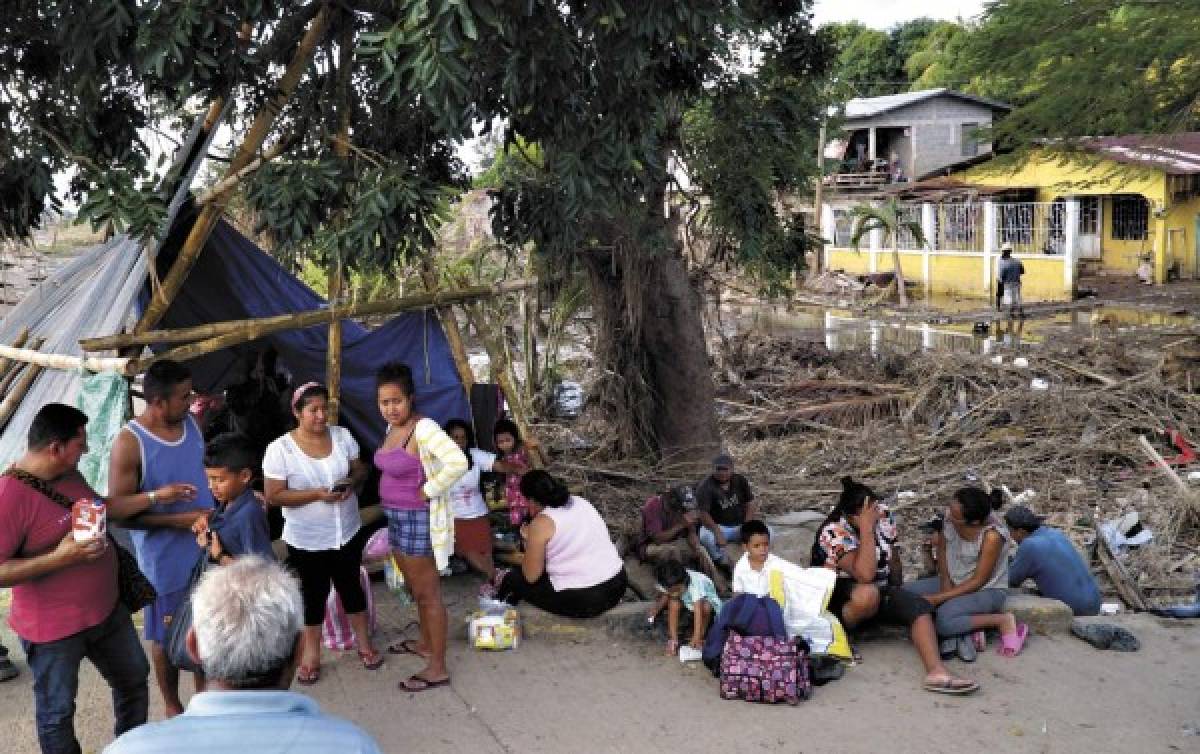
pixel 571 567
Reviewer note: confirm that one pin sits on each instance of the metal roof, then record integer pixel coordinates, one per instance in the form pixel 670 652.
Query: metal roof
pixel 1174 154
pixel 869 107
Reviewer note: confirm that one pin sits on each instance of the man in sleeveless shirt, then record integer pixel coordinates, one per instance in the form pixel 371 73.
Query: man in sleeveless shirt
pixel 157 468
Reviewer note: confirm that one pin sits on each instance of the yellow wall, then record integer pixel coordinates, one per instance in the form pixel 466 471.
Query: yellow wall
pixel 1183 216
pixel 1054 177
pixel 959 274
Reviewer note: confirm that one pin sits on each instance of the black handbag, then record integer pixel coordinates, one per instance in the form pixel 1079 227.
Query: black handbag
pixel 133 588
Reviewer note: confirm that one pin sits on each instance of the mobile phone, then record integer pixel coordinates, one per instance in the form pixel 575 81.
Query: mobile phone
pixel 340 486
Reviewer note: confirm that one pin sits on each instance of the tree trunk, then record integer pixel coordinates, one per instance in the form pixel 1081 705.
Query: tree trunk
pixel 333 356
pixel 650 345
pixel 900 288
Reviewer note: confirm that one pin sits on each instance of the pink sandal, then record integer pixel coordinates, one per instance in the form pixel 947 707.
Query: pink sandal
pixel 1011 644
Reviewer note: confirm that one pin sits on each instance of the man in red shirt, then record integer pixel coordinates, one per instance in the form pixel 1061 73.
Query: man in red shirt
pixel 64 592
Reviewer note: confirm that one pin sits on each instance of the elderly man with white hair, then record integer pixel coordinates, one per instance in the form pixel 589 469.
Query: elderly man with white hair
pixel 247 618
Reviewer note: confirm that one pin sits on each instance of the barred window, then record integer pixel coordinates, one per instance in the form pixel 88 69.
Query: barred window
pixel 1131 216
pixel 1089 215
pixel 966 136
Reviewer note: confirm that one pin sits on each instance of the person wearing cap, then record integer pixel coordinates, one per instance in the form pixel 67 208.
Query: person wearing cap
pixel 670 531
pixel 725 502
pixel 1045 555
pixel 1008 278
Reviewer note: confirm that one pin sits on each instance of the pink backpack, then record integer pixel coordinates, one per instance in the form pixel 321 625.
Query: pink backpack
pixel 764 669
pixel 336 632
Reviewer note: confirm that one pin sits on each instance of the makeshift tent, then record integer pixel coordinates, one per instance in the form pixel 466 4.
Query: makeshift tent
pixel 233 279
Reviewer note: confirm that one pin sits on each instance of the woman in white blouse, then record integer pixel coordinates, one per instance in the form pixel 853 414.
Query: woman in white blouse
pixel 312 473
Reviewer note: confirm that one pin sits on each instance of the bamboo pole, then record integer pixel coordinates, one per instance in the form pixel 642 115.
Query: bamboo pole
pixel 20 386
pixel 458 349
pixel 333 354
pixel 211 213
pixel 252 330
pixel 227 183
pixel 296 320
pixel 61 361
pixel 18 342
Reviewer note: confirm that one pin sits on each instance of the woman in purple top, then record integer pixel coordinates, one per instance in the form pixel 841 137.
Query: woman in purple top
pixel 419 462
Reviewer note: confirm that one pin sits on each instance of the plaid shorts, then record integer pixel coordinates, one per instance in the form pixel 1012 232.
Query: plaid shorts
pixel 408 532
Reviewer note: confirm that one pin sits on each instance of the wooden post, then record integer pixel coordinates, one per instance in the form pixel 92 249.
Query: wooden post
pixel 207 219
pixel 249 329
pixel 458 349
pixel 20 386
pixel 18 342
pixel 333 359
pixel 32 355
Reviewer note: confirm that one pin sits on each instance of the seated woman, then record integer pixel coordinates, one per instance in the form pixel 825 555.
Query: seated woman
pixel 570 567
pixel 858 542
pixel 972 582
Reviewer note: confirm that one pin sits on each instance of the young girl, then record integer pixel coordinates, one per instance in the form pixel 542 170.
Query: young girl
pixel 682 589
pixel 972 582
pixel 472 533
pixel 515 456
pixel 858 542
pixel 419 465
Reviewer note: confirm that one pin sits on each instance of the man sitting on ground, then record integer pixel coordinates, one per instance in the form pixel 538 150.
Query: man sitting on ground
pixel 247 618
pixel 1047 556
pixel 725 502
pixel 670 524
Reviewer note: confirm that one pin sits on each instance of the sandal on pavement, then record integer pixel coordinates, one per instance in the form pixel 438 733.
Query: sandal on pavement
pixel 966 649
pixel 415 683
pixel 405 647
pixel 306 676
pixel 371 660
pixel 951 685
pixel 980 640
pixel 1011 644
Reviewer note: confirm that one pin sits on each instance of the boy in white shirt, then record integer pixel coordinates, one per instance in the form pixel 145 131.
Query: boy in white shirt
pixel 752 574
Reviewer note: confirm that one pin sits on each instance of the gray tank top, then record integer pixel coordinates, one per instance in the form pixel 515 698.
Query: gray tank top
pixel 962 555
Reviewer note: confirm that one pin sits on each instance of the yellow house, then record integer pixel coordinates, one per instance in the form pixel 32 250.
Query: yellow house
pixel 1118 205
pixel 1138 196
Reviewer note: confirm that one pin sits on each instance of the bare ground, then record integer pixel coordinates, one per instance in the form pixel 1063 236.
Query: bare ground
pixel 601 694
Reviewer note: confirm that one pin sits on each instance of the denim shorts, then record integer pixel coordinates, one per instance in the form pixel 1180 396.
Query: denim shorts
pixel 408 532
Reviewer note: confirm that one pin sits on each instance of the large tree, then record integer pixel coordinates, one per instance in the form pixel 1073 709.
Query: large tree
pixel 1089 67
pixel 348 112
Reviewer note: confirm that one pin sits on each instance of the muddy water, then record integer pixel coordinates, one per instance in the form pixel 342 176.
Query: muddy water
pixel 843 329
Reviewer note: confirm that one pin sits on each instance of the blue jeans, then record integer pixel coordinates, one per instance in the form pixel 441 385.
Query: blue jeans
pixel 114 648
pixel 732 534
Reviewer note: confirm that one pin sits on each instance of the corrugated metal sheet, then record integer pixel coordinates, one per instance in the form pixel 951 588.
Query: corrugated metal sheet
pixel 869 107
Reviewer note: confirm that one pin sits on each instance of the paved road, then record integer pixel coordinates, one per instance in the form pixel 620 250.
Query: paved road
pixel 598 694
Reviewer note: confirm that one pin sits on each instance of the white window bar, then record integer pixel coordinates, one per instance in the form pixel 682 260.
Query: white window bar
pixel 959 226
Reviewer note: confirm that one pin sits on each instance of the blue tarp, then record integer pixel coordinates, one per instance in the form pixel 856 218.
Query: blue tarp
pixel 234 279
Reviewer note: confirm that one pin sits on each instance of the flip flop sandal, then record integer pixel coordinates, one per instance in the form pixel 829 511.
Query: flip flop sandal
pixel 424 684
pixel 307 676
pixel 966 649
pixel 405 647
pixel 1011 644
pixel 952 686
pixel 980 640
pixel 371 660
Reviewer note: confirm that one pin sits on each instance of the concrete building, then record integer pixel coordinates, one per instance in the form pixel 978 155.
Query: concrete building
pixel 894 138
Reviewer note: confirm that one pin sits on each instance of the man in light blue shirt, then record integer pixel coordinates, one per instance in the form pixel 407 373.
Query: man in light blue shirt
pixel 247 618
pixel 1046 555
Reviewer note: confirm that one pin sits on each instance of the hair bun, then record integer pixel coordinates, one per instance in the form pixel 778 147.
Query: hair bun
pixel 847 482
pixel 997 498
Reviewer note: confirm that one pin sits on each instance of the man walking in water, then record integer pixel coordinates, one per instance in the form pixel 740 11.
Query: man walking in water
pixel 157 469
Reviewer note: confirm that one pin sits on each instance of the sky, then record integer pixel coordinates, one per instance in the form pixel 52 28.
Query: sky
pixel 882 14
